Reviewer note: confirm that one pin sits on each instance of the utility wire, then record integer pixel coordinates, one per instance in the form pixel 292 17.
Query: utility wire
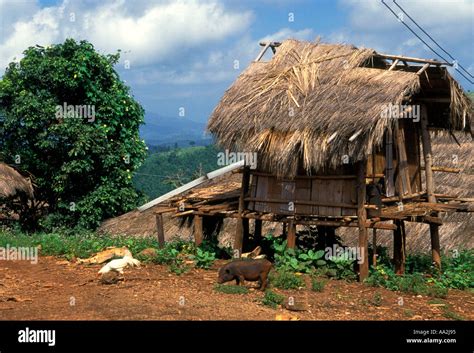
pixel 430 37
pixel 421 39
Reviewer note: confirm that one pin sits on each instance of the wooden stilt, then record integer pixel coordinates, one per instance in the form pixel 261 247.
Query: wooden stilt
pixel 198 230
pixel 160 230
pixel 374 247
pixel 361 219
pixel 398 248
pixel 291 237
pixel 430 188
pixel 241 228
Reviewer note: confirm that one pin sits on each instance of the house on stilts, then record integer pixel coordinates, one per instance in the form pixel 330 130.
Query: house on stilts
pixel 342 138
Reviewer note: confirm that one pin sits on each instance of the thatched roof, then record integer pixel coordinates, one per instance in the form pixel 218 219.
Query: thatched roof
pixel 287 109
pixel 13 184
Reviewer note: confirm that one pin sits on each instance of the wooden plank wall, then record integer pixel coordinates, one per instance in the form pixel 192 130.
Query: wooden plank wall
pixel 412 143
pixel 304 189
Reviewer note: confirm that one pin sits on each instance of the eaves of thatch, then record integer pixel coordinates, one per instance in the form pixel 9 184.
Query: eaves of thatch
pixel 314 103
pixel 13 184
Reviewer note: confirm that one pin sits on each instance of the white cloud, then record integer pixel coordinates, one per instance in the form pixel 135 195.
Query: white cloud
pixel 372 25
pixel 153 33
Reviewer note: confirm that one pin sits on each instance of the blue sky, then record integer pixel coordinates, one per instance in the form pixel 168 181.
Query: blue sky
pixel 182 53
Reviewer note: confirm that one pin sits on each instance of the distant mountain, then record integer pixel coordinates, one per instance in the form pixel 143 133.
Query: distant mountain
pixel 163 130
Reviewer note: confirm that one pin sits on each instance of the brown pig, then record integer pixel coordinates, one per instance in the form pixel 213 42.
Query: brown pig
pixel 249 270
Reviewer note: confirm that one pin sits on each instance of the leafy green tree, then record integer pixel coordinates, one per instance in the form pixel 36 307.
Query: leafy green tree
pixel 82 158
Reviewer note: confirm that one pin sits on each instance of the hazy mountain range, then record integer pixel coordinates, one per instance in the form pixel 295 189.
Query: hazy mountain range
pixel 164 130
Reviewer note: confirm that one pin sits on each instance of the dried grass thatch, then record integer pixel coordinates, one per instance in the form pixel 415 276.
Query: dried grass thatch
pixel 287 109
pixel 13 184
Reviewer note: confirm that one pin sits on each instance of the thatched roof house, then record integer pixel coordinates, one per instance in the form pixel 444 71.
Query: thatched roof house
pixel 339 134
pixel 13 184
pixel 313 103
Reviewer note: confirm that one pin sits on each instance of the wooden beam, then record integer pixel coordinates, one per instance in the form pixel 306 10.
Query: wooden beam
pixel 272 44
pixel 374 247
pixel 242 224
pixel 361 218
pixel 430 188
pixel 328 177
pixel 309 203
pixel 354 136
pixel 198 230
pixel 160 230
pixel 405 197
pixel 433 220
pixel 291 237
pixel 395 62
pixel 444 169
pixel 423 69
pixel 412 59
pixel 263 51
pixel 389 172
pixel 402 160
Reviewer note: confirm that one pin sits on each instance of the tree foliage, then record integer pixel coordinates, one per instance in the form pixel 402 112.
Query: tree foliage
pixel 82 165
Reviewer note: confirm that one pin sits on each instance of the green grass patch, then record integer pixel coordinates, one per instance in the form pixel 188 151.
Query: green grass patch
pixel 286 280
pixel 272 299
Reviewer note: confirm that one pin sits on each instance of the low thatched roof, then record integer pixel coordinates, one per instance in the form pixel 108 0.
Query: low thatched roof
pixel 287 109
pixel 13 184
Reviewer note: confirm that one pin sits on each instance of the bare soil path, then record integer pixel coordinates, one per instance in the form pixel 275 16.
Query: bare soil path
pixel 55 289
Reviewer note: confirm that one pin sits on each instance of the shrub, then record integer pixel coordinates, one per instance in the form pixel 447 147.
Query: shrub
pixel 231 289
pixel 203 259
pixel 272 299
pixel 287 280
pixel 343 267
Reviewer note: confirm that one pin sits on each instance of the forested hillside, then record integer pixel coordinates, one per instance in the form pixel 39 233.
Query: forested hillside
pixel 164 171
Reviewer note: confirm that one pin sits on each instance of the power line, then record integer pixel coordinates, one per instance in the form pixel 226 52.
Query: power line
pixel 430 37
pixel 421 39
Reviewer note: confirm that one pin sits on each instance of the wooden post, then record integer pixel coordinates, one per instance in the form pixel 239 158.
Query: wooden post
pixel 361 219
pixel 430 188
pixel 242 223
pixel 198 230
pixel 403 173
pixel 160 230
pixel 291 237
pixel 399 248
pixel 374 247
pixel 257 235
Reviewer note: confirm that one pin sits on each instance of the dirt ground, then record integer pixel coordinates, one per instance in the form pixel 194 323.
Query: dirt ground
pixel 55 289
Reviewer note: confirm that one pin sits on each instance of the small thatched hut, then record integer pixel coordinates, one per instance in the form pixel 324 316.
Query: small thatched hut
pixel 343 139
pixel 340 133
pixel 13 184
pixel 14 188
